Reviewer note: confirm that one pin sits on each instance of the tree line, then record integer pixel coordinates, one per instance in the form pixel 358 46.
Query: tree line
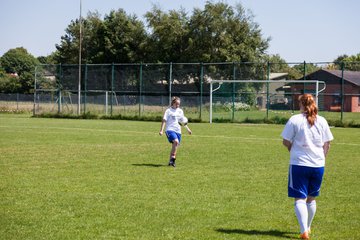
pixel 217 33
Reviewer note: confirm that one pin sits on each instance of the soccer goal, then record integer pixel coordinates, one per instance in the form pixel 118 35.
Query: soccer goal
pixel 229 96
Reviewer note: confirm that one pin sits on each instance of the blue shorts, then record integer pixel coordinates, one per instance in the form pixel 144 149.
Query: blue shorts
pixel 171 135
pixel 304 181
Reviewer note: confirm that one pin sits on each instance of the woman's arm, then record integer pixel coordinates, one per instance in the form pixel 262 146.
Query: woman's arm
pixel 287 144
pixel 162 127
pixel 326 148
pixel 188 129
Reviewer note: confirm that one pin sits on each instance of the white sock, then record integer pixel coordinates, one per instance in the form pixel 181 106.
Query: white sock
pixel 301 214
pixel 311 207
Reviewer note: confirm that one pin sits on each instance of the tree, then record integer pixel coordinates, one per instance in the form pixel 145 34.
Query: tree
pixel 218 33
pixel 351 63
pixel 124 38
pixel 278 64
pixel 8 83
pixel 305 69
pixel 68 49
pixel 22 63
pixel 50 59
pixel 222 33
pixel 91 41
pixel 118 38
pixel 341 58
pixel 168 39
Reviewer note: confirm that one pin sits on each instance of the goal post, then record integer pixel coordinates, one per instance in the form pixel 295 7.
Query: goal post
pixel 216 85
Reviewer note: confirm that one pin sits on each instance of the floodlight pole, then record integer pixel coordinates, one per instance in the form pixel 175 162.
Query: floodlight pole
pixel 79 86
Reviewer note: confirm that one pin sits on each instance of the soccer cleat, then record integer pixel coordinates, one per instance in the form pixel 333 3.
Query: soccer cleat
pixel 304 235
pixel 172 162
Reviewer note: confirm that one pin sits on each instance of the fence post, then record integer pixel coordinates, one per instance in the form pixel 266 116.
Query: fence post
pixel 17 101
pixel 170 78
pixel 210 109
pixel 201 87
pixel 267 91
pixel 106 102
pixel 233 93
pixel 342 91
pixel 85 86
pixel 59 89
pixel 34 109
pixel 140 86
pixel 112 88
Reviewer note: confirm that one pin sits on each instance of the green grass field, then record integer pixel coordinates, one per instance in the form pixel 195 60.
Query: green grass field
pixel 107 179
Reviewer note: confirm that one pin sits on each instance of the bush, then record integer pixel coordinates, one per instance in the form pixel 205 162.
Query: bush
pixel 228 106
pixel 240 106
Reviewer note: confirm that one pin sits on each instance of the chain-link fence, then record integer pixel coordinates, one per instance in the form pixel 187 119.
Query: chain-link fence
pixel 145 89
pixel 16 102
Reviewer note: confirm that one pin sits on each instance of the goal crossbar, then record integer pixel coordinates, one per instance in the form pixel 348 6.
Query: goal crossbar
pixel 220 82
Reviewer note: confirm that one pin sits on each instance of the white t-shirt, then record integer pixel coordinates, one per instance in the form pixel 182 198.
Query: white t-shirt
pixel 172 117
pixel 307 141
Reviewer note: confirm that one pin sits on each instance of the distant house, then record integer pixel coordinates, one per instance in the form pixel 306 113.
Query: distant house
pixel 278 95
pixel 276 92
pixel 330 98
pixel 13 75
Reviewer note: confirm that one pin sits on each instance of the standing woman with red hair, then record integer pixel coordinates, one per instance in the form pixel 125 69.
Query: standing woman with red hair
pixel 307 136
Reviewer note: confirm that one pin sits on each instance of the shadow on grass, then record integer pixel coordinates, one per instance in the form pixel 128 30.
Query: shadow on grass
pixel 148 165
pixel 276 233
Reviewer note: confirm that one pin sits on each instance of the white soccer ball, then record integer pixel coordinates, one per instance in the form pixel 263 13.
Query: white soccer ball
pixel 183 121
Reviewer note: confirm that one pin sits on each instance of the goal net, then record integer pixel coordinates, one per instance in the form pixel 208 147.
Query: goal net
pixel 234 100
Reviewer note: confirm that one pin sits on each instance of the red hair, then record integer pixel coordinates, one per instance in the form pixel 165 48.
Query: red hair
pixel 310 108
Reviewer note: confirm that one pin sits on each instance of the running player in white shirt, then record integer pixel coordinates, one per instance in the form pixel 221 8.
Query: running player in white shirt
pixel 171 119
pixel 307 136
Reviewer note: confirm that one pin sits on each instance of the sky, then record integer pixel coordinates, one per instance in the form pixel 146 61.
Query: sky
pixel 308 30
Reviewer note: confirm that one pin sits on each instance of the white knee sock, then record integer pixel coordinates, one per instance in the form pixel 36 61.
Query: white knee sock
pixel 301 212
pixel 311 207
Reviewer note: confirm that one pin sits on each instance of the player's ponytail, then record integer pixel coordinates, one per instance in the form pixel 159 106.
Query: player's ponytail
pixel 310 108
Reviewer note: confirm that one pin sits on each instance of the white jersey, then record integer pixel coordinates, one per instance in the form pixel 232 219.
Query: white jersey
pixel 307 141
pixel 172 117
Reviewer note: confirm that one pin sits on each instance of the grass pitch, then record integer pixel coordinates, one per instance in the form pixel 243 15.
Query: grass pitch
pixel 104 179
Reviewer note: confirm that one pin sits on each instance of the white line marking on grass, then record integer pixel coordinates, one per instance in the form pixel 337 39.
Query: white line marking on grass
pixel 80 129
pixel 340 143
pixel 236 137
pixel 156 133
pixel 269 139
